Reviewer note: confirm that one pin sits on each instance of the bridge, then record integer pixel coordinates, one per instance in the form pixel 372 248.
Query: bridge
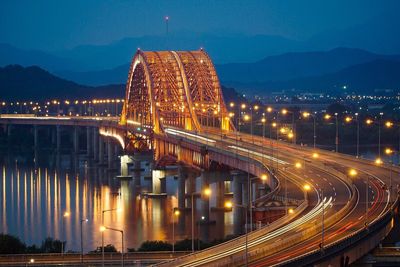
pixel 175 110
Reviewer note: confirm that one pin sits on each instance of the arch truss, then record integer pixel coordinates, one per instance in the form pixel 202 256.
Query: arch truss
pixel 174 88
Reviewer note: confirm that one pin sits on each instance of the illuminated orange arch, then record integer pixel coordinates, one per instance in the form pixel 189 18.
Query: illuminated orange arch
pixel 174 88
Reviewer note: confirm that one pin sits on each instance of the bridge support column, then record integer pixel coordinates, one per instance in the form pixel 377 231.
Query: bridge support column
pixel 182 175
pixel 101 149
pixel 137 168
pixel 125 161
pixel 95 144
pixel 237 202
pixel 58 138
pixel 89 141
pixel 110 150
pixel 75 139
pixel 205 203
pixel 156 181
pixel 35 136
pixel 36 144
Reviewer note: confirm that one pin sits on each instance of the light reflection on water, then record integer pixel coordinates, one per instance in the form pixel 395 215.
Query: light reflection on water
pixel 33 204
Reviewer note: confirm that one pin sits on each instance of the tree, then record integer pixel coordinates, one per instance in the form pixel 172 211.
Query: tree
pixel 107 248
pixel 155 246
pixel 50 245
pixel 11 245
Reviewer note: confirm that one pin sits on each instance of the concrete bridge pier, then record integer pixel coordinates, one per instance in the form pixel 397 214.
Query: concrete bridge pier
pixel 205 200
pixel 75 140
pixel 237 202
pixel 89 142
pixel 58 139
pixel 137 170
pixel 101 150
pixel 95 145
pixel 125 161
pixel 36 144
pixel 110 151
pixel 182 175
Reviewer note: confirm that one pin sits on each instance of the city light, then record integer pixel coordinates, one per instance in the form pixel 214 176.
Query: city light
pixel 352 172
pixel 327 116
pixel 269 109
pixel 246 117
pixel 306 114
pixel 243 106
pixel 369 121
pixel 388 151
pixel 207 191
pixel 290 211
pixel 284 111
pixel 177 212
pixel 315 155
pixel 102 228
pixel 348 119
pixel 307 187
pixel 228 204
pixel 378 161
pixel 388 124
pixel 297 165
pixel 264 177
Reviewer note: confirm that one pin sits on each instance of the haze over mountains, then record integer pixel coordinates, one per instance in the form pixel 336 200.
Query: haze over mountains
pixel 253 64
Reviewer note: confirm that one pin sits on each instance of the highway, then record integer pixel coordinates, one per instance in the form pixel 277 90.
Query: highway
pixel 344 198
pixel 336 201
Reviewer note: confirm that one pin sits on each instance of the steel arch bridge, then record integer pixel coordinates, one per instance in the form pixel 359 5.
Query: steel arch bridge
pixel 174 89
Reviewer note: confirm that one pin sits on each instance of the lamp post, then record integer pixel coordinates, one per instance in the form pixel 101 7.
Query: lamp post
pixel 202 218
pixel 378 161
pixel 229 205
pixel 206 192
pixel 103 228
pixel 102 233
pixel 82 220
pixel 263 178
pixel 284 112
pixel 176 213
pixel 306 115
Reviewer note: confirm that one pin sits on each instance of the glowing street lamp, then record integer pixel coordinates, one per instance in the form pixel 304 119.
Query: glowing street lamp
pixel 315 155
pixel 307 187
pixel 352 172
pixel 206 192
pixel 176 213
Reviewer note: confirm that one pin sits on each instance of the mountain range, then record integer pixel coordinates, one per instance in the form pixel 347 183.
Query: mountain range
pixel 34 83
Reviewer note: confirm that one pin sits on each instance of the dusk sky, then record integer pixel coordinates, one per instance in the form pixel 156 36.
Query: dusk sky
pixel 57 25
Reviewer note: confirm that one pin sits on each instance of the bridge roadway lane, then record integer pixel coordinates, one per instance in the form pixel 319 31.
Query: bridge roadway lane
pixel 337 198
pixel 356 219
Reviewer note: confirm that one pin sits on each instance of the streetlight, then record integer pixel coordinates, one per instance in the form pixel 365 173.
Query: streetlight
pixel 370 122
pixel 328 117
pixel 263 178
pixel 390 152
pixel 229 205
pixel 308 114
pixel 65 215
pixel 102 232
pixel 202 218
pixel 207 193
pixel 284 112
pixel 103 228
pixel 176 213
pixel 82 220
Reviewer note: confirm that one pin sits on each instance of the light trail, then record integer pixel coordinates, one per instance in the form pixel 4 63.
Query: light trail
pixel 304 219
pixel 197 137
pixel 258 154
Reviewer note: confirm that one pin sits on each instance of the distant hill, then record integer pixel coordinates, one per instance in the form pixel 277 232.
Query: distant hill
pixel 274 68
pixel 34 83
pixel 10 55
pixel 372 77
pixel 295 65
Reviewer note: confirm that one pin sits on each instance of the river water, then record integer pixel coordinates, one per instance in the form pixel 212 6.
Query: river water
pixel 33 202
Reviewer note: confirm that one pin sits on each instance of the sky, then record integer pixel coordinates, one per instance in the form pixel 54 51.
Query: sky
pixel 52 25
